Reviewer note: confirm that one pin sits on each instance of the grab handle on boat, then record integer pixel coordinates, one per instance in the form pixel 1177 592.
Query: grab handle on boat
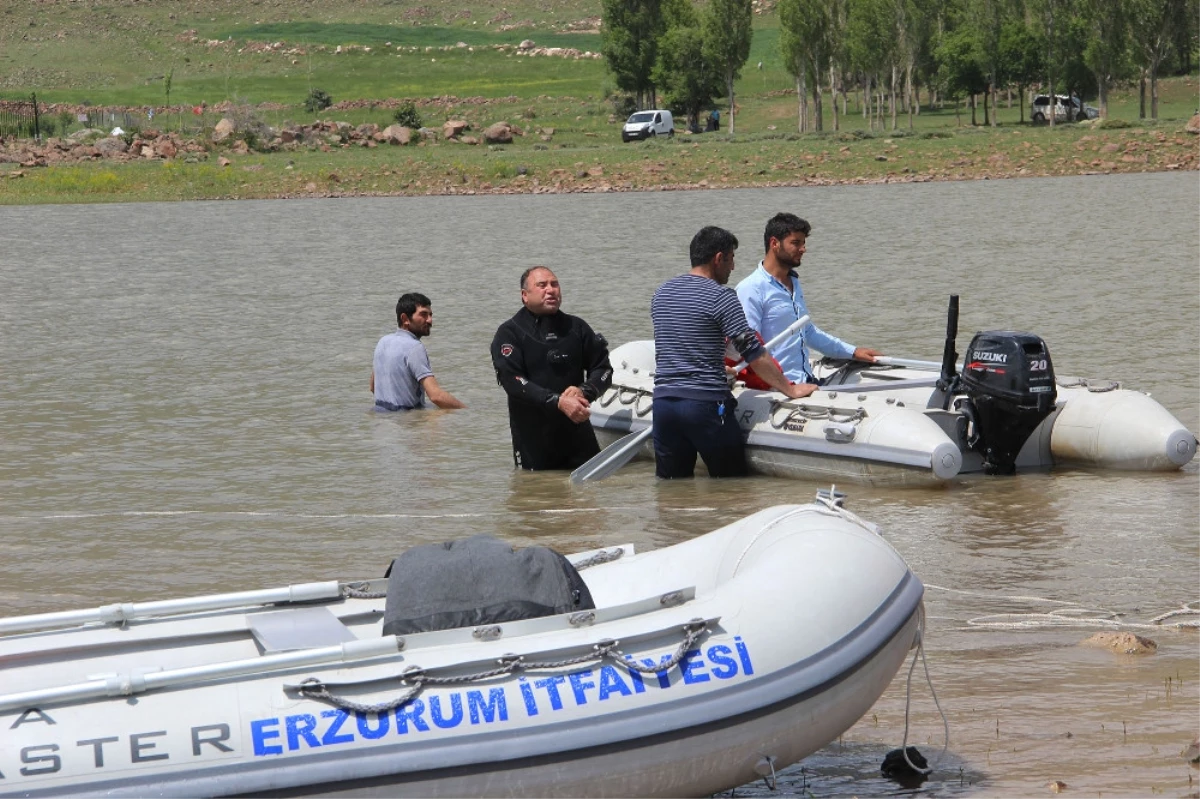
pixel 122 613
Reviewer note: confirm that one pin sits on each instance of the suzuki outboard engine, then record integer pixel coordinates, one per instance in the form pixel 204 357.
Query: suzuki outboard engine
pixel 1009 383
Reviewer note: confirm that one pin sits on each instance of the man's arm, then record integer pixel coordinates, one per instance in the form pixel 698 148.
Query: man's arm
pixel 509 363
pixel 440 396
pixel 769 371
pixel 597 369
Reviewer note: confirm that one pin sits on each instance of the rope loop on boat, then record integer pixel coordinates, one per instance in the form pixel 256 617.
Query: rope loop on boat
pixel 607 398
pixel 603 556
pixel 417 678
pixel 359 590
pixel 1080 382
pixel 812 413
pixel 634 396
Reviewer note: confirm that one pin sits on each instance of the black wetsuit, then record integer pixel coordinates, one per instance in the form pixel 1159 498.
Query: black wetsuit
pixel 536 359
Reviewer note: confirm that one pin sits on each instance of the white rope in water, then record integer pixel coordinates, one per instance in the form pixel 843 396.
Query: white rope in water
pixel 279 515
pixel 1072 615
pixel 908 702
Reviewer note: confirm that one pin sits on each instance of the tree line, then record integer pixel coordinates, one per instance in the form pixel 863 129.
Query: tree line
pixel 890 51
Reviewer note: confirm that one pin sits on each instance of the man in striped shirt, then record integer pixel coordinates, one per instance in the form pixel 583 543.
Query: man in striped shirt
pixel 694 314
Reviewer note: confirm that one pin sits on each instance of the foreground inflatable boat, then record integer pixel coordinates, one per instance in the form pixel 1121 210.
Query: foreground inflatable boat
pixel 914 424
pixel 704 666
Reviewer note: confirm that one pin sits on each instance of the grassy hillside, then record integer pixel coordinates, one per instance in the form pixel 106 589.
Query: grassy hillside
pixel 460 61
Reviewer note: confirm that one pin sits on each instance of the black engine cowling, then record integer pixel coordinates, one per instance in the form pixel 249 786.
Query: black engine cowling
pixel 1009 382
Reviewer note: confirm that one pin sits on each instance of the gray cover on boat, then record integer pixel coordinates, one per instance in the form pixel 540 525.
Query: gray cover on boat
pixel 478 580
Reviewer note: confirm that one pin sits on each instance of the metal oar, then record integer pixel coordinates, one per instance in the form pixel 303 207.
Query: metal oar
pixel 621 451
pixel 885 360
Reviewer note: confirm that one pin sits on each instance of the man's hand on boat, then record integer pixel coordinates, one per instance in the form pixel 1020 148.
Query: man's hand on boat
pixel 769 371
pixel 866 354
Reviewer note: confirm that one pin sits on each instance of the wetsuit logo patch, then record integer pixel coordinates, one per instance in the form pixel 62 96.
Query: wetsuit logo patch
pixel 506 350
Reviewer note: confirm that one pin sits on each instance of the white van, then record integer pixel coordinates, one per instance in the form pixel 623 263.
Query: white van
pixel 645 124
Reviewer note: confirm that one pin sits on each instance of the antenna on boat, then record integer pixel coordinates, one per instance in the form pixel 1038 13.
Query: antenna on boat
pixel 949 377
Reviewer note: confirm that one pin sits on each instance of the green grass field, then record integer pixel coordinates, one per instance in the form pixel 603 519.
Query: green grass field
pixel 266 55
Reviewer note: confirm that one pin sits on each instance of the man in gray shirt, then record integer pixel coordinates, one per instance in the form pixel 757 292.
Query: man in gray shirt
pixel 401 376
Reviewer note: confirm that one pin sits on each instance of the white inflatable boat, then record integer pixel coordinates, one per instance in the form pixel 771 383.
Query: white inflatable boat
pixel 898 424
pixel 704 666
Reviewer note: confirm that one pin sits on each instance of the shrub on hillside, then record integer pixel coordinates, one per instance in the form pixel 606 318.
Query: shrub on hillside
pixel 407 116
pixel 317 100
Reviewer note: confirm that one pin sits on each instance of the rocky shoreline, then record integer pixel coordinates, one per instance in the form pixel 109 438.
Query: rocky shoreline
pixel 230 141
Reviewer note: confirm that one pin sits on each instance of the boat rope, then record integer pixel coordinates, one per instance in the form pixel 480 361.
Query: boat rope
pixel 908 699
pixel 358 590
pixel 1074 615
pixel 812 413
pixel 416 678
pixel 603 556
pixel 627 395
pixel 1079 382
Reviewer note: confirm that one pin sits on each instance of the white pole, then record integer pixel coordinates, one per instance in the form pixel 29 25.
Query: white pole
pixel 120 613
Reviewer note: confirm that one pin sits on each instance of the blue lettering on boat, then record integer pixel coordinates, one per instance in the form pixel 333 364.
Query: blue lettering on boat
pixel 382 724
pixel 411 711
pixel 551 685
pixel 494 709
pixel 331 735
pixel 299 728
pixel 440 718
pixel 531 708
pixel 724 666
pixel 274 736
pixel 691 667
pixel 611 682
pixel 262 731
pixel 578 686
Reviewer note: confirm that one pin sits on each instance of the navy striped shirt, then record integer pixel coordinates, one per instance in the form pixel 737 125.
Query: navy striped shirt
pixel 692 317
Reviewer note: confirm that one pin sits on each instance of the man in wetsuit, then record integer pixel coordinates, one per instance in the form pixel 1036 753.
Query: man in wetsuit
pixel 552 366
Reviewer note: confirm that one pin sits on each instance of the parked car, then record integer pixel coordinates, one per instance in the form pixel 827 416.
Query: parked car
pixel 647 124
pixel 1066 109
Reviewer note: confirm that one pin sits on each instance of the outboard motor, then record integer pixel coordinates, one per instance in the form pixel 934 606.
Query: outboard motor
pixel 1009 383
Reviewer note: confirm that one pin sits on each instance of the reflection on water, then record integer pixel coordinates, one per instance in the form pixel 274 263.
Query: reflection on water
pixel 184 409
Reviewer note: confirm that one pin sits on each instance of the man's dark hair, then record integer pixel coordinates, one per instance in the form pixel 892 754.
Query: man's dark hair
pixel 408 305
pixel 710 241
pixel 780 225
pixel 525 275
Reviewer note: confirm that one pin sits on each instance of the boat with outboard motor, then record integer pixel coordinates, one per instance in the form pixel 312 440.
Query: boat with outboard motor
pixel 703 666
pixel 920 423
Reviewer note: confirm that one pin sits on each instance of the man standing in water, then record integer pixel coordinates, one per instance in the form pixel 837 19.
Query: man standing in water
pixel 552 366
pixel 694 314
pixel 772 299
pixel 401 376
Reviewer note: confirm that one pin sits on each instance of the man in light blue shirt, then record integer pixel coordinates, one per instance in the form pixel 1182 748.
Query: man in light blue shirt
pixel 401 377
pixel 772 299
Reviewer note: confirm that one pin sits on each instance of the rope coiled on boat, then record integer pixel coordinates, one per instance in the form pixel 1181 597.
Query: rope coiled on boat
pixel 416 678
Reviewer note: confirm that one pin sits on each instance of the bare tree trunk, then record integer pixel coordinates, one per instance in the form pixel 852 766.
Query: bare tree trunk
pixel 1142 94
pixel 801 103
pixel 895 81
pixel 818 106
pixel 732 103
pixel 908 91
pixel 833 96
pixel 1154 90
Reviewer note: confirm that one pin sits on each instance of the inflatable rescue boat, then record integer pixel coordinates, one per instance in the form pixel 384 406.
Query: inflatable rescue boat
pixel 916 422
pixel 701 666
